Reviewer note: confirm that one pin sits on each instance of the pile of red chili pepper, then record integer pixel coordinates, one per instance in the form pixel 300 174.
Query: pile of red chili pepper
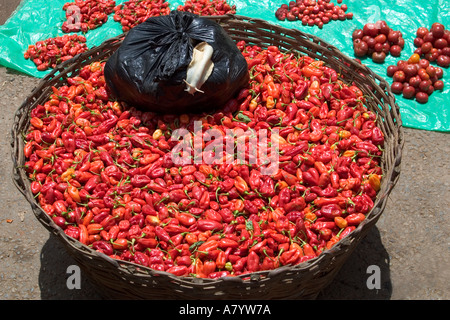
pixel 208 7
pixel 104 171
pixel 134 12
pixel 85 15
pixel 313 12
pixel 49 52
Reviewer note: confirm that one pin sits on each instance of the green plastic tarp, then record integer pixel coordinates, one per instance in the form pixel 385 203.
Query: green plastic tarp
pixel 36 20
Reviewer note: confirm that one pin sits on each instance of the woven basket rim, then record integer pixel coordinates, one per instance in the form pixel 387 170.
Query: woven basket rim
pixel 66 68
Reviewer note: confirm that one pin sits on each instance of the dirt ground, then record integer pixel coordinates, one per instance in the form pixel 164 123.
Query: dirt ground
pixel 409 243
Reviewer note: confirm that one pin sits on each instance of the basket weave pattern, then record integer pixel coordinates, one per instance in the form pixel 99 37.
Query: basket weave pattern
pixel 125 280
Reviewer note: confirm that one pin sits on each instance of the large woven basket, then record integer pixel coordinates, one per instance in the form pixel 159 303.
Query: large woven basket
pixel 125 280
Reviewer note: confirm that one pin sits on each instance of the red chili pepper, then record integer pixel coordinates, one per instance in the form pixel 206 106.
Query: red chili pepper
pixel 94 228
pixel 330 211
pixel 156 187
pixel 113 232
pixel 227 215
pixel 308 250
pixel 280 238
pixel 162 234
pixel 72 231
pixel 207 247
pixel 60 222
pixel 269 263
pixel 311 177
pixel 301 90
pixel 346 231
pixel 355 219
pixel 323 225
pixel 267 187
pixel 211 225
pixel 240 264
pixel 321 201
pixel 297 204
pixel 103 246
pixel 120 244
pixel 178 270
pixel 241 184
pixel 35 187
pixel 250 207
pixel 148 242
pixel 225 243
pixel 253 262
pixel 173 229
pixel 290 257
pixel 209 267
pixel 83 237
pixel 185 218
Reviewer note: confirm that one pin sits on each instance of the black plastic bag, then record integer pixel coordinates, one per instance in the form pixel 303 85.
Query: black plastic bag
pixel 151 69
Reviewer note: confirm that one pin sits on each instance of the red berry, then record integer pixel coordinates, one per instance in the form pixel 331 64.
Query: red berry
pixel 437 29
pixel 438 85
pixel 408 92
pixel 443 61
pixel 422 97
pixel 421 32
pixel 395 50
pixel 397 87
pixel 378 57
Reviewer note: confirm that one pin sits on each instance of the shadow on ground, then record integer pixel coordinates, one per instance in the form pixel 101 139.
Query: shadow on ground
pixel 55 273
pixel 350 282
